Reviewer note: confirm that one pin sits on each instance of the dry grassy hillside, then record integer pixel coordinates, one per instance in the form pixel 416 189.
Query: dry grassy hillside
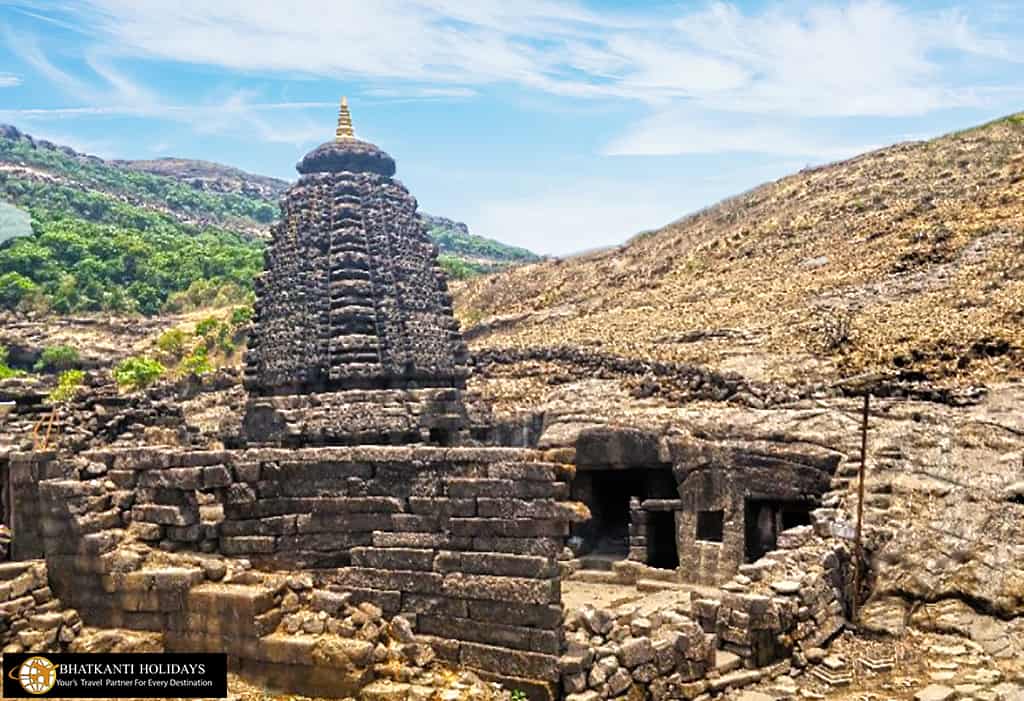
pixel 909 259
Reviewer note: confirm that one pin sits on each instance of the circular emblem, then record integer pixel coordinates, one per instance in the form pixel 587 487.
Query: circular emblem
pixel 37 675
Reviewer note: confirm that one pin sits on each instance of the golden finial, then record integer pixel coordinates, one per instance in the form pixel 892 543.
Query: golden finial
pixel 344 130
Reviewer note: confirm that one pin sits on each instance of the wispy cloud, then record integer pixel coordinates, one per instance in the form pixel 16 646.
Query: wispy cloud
pixel 684 130
pixel 796 65
pixel 9 80
pixel 420 93
pixel 860 57
pixel 107 91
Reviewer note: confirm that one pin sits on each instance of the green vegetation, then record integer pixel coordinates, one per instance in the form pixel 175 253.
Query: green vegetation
pixel 518 695
pixel 57 359
pixel 138 186
pixel 6 370
pixel 458 269
pixel 240 316
pixel 214 340
pixel 197 362
pixel 138 372
pixel 83 235
pixel 463 245
pixel 173 342
pixel 464 255
pixel 90 252
pixel 68 384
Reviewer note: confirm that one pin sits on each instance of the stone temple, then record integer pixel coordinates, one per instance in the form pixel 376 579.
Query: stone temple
pixel 357 538
pixel 353 311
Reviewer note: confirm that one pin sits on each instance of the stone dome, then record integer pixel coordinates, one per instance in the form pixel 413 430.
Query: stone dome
pixel 347 155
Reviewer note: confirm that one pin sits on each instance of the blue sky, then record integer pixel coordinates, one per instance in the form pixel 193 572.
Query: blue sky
pixel 560 126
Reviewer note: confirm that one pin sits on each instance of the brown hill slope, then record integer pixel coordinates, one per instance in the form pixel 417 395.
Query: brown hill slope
pixel 905 260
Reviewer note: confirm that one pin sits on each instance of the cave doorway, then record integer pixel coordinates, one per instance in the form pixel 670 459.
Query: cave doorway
pixel 764 519
pixel 662 540
pixel 605 538
pixel 609 532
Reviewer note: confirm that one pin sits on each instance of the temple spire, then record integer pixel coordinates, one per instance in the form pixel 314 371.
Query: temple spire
pixel 344 130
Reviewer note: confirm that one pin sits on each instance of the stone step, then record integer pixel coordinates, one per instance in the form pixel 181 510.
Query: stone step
pixel 735 679
pixel 596 577
pixel 726 661
pixel 655 585
pixel 658 574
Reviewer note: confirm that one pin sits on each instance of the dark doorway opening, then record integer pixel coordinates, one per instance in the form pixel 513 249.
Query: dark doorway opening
pixel 796 513
pixel 604 539
pixel 711 526
pixel 609 532
pixel 764 519
pixel 662 545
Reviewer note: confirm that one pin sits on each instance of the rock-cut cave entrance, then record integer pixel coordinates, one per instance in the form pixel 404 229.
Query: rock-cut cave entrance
pixel 764 519
pixel 605 537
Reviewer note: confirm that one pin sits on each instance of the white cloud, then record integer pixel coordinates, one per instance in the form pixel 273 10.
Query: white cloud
pixel 420 93
pixel 784 63
pixel 113 93
pixel 675 131
pixel 861 57
pixel 9 80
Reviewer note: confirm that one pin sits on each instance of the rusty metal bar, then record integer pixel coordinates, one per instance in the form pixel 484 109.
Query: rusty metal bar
pixel 858 548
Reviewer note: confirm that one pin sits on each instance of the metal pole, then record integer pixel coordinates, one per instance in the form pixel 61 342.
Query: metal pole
pixel 858 549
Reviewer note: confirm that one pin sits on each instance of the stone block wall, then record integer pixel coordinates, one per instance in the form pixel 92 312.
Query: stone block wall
pixel 356 417
pixel 21 474
pixel 721 478
pixel 791 600
pixel 31 618
pixel 461 543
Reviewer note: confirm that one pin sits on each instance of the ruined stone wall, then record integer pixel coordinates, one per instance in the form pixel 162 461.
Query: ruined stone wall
pixel 352 296
pixel 626 654
pixel 21 474
pixel 461 543
pixel 31 618
pixel 763 621
pixel 787 602
pixel 722 479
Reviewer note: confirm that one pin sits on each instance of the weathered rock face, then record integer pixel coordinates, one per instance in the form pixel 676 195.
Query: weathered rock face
pixel 352 296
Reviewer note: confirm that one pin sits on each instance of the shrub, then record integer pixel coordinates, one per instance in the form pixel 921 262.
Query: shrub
pixel 833 330
pixel 15 289
pixel 240 316
pixel 138 372
pixel 173 342
pixel 57 359
pixel 205 327
pixel 68 384
pixel 197 362
pixel 5 369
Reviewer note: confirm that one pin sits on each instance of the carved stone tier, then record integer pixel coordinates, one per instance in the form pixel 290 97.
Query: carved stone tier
pixel 355 417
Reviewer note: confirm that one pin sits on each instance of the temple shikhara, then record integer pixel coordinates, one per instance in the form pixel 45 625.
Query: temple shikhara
pixel 353 299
